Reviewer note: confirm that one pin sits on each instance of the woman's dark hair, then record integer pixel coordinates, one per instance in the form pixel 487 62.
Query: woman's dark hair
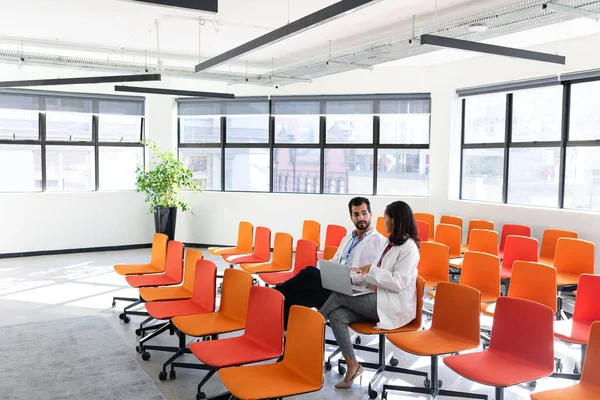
pixel 357 202
pixel 405 226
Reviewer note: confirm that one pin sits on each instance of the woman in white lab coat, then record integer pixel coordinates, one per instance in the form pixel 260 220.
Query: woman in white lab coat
pixel 393 276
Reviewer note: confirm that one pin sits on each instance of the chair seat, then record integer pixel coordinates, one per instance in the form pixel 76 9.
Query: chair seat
pixel 368 328
pixel 166 293
pixel 566 279
pixel 244 259
pixel 464 248
pixel 264 267
pixel 265 381
pixel 505 273
pixel 138 281
pixel 430 343
pixel 276 278
pixel 207 324
pixel 485 298
pixel 456 262
pixel 432 283
pixel 137 269
pixel 231 352
pixel 488 309
pixel 546 260
pixel 493 368
pixel 175 308
pixel 579 391
pixel 572 331
pixel 320 254
pixel 226 251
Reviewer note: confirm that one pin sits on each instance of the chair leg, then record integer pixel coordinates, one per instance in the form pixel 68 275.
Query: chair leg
pixel 210 373
pixel 499 393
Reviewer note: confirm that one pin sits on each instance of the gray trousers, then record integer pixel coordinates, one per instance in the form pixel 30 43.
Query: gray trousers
pixel 342 310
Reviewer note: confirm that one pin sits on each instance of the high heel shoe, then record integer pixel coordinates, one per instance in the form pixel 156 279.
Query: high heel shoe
pixel 345 385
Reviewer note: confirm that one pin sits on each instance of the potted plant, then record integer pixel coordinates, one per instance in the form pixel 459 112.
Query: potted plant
pixel 162 183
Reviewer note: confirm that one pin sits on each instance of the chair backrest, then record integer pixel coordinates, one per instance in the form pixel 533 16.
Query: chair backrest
pixel 262 242
pixel 482 272
pixel 484 240
pixel 549 239
pixel 451 220
pixel 311 230
pixel 533 281
pixel 591 366
pixel 586 304
pixel 381 226
pixel 306 255
pixel 329 252
pixel 519 248
pixel 523 330
pixel 205 282
pixel 479 224
pixel 264 319
pixel 189 270
pixel 430 219
pixel 416 323
pixel 513 229
pixel 174 267
pixel 433 261
pixel 423 230
pixel 305 344
pixel 234 293
pixel 334 235
pixel 450 235
pixel 282 250
pixel 159 250
pixel 574 256
pixel 456 311
pixel 245 237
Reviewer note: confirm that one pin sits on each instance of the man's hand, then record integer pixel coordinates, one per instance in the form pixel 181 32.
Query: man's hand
pixel 362 270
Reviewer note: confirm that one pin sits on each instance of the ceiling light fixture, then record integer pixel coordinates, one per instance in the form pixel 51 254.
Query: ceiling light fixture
pixel 173 92
pixel 84 80
pixel 478 27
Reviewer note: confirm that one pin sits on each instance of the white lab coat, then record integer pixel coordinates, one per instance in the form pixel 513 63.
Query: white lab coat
pixel 365 251
pixel 396 281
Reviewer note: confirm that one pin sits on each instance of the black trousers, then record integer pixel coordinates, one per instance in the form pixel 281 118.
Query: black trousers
pixel 304 290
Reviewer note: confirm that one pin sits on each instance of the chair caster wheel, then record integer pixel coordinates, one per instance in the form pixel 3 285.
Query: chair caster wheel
pixel 440 383
pixel 427 383
pixel 533 384
pixel 372 394
pixel 145 356
pixel 576 370
pixel 327 366
pixel 394 362
pixel 358 340
pixel 126 319
pixel 200 396
pixel 162 376
pixel 114 304
pixel 138 349
pixel 341 370
pixel 138 332
pixel 173 375
pixel 122 315
pixel 384 396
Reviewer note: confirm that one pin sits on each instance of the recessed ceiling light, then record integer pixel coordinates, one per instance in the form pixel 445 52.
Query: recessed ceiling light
pixel 478 27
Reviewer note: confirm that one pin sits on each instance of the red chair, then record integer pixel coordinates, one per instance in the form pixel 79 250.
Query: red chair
pixel 521 347
pixel 173 274
pixel 512 229
pixel 423 230
pixel 518 248
pixel 262 338
pixel 306 256
pixel 262 249
pixel 333 238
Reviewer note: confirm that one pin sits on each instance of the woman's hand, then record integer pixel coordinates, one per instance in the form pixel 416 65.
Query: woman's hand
pixel 362 270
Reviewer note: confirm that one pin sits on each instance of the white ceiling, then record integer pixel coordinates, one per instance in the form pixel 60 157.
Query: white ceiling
pixel 122 30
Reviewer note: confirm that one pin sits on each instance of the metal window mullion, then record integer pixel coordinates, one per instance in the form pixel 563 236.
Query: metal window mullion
pixel 566 123
pixel 42 133
pixel 462 146
pixel 271 150
pixel 507 142
pixel 95 120
pixel 376 140
pixel 223 141
pixel 322 136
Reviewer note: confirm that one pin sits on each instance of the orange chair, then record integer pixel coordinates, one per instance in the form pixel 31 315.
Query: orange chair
pixel 549 241
pixel 430 219
pixel 333 238
pixel 451 220
pixel 262 338
pixel 454 328
pixel 476 224
pixel 282 257
pixel 518 248
pixel 512 229
pixel 573 257
pixel 329 252
pixel 157 259
pixel 230 317
pixel 482 240
pixel 311 230
pixel 306 256
pixel 450 236
pixel 423 230
pixel 300 371
pixel 521 349
pixel 201 302
pixel 367 328
pixel 587 311
pixel 261 252
pixel 381 226
pixel 530 281
pixel 433 263
pixel 589 386
pixel 244 242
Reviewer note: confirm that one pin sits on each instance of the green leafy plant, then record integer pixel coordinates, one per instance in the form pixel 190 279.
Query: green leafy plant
pixel 165 179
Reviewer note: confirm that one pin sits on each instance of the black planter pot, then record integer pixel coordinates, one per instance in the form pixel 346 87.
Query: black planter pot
pixel 164 220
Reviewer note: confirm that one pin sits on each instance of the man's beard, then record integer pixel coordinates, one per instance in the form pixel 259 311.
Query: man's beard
pixel 361 225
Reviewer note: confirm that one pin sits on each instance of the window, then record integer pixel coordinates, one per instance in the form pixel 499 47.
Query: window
pixel 59 142
pixel 482 171
pixel 309 144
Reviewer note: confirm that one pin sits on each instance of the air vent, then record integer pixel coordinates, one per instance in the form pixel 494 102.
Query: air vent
pixel 211 6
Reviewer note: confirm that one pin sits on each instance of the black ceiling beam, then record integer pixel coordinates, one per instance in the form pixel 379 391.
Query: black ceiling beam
pixel 211 6
pixel 300 25
pixel 173 92
pixel 459 44
pixel 80 81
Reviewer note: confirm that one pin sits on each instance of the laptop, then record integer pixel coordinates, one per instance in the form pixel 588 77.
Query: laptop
pixel 336 277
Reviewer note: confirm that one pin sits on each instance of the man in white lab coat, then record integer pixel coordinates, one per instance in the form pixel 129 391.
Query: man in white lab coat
pixel 362 246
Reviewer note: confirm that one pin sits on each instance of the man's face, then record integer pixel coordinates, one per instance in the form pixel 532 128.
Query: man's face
pixel 361 217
